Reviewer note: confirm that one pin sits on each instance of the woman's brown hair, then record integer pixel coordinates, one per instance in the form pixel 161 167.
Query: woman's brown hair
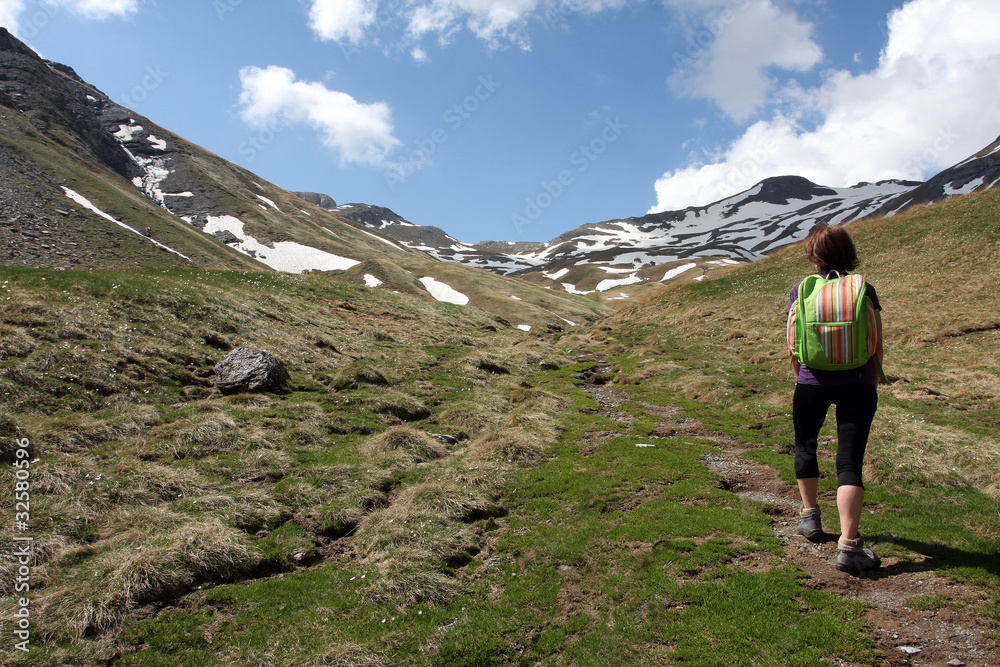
pixel 831 249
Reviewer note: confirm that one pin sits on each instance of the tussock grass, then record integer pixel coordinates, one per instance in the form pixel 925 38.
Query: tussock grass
pixel 136 565
pixel 506 445
pixel 403 445
pixel 473 416
pixel 358 373
pixel 404 580
pixel 453 500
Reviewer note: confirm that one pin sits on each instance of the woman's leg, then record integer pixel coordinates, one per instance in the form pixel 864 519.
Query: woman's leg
pixel 855 411
pixel 809 408
pixel 850 500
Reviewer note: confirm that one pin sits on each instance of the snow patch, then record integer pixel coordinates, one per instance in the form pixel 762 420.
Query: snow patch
pixel 605 285
pixel 517 298
pixel 971 186
pixel 571 288
pixel 158 144
pixel 372 281
pixel 379 238
pixel 286 256
pixel 524 327
pixel 556 275
pixel 125 132
pixel 83 201
pixel 443 292
pixel 269 203
pixel 674 272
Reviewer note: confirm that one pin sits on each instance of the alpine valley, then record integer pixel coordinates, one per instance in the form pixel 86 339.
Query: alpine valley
pixel 439 454
pixel 88 183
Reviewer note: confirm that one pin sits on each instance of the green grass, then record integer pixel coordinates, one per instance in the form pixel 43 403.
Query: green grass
pixel 324 525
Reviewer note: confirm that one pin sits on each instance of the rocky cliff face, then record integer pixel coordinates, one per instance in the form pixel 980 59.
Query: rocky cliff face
pixel 44 96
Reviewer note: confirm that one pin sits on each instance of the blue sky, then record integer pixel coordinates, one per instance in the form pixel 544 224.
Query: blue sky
pixel 523 119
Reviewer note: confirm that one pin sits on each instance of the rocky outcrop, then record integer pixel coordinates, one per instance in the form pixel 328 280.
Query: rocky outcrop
pixel 247 370
pixel 317 199
pixel 43 95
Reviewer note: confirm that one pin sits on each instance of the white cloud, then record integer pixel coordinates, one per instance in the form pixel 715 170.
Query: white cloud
pixel 492 21
pixel 361 133
pixel 931 102
pixel 734 51
pixel 342 20
pixel 98 9
pixel 10 11
pixel 13 14
pixel 496 22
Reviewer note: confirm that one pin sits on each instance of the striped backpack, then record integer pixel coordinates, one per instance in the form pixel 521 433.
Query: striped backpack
pixel 831 325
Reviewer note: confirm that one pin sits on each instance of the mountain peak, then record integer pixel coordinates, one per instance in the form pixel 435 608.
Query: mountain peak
pixel 12 44
pixel 780 189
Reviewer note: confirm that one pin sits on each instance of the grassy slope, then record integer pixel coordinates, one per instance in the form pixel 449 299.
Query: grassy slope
pixel 58 156
pixel 99 243
pixel 545 535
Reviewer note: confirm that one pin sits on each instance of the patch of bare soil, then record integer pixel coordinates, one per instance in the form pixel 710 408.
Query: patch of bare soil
pixel 950 632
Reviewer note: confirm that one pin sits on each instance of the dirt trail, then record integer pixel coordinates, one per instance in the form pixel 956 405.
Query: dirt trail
pixel 952 634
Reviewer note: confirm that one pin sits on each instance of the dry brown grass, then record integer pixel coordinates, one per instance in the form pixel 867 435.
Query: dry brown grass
pixel 403 580
pixel 904 445
pixel 453 500
pixel 159 557
pixel 506 445
pixel 403 445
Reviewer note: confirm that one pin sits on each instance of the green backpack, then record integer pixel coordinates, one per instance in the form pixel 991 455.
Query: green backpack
pixel 831 325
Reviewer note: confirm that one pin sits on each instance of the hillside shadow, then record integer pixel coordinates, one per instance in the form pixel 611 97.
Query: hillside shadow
pixel 941 557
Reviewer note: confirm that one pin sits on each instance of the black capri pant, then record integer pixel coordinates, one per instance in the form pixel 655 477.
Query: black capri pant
pixel 856 405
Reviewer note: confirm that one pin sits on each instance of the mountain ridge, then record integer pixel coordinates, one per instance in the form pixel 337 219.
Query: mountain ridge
pixel 202 211
pixel 113 189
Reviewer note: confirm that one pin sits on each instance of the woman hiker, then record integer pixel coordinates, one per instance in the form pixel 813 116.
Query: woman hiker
pixel 853 393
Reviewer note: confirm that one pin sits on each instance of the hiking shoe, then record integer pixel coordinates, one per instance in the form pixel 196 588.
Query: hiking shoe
pixel 810 524
pixel 854 558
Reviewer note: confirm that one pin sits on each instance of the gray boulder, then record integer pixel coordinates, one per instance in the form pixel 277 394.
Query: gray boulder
pixel 246 370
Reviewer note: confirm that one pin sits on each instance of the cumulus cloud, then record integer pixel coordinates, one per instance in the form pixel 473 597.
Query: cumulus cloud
pixel 342 20
pixel 492 21
pixel 10 12
pixel 729 58
pixel 496 22
pixel 13 12
pixel 361 133
pixel 98 9
pixel 931 102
